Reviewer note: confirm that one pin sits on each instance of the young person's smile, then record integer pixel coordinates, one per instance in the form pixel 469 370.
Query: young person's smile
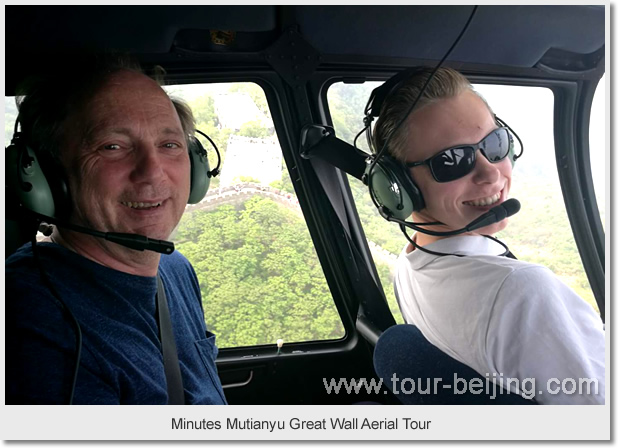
pixel 463 119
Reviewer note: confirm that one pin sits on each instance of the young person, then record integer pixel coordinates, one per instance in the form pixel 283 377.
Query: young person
pixel 502 317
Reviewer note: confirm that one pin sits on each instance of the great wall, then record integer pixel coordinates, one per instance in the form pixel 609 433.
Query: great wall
pixel 241 192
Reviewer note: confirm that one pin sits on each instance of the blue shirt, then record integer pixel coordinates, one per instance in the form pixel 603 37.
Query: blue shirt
pixel 121 360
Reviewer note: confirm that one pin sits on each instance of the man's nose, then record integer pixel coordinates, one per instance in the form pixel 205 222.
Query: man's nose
pixel 484 170
pixel 148 164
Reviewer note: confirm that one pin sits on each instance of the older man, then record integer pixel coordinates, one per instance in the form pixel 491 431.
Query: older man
pixel 83 323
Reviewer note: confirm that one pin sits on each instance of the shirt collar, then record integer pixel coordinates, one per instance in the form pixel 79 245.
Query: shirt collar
pixel 462 245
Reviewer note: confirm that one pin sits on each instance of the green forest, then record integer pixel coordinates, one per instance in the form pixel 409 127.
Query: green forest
pixel 257 267
pixel 259 276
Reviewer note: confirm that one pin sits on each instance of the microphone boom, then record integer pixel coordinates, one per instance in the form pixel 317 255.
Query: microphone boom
pixel 130 240
pixel 496 214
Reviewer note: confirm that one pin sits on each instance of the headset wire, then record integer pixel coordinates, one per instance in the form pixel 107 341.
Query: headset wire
pixel 442 254
pixel 411 108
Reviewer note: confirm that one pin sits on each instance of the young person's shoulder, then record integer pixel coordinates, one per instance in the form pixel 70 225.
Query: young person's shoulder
pixel 534 287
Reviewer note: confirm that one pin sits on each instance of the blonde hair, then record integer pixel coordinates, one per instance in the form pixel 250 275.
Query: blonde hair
pixel 446 83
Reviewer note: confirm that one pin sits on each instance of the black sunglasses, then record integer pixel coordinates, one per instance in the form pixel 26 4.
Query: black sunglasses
pixel 454 163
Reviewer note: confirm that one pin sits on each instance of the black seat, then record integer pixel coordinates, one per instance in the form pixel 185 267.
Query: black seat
pixel 16 235
pixel 403 350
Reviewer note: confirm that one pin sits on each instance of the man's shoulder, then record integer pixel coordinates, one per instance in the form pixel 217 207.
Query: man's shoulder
pixel 28 298
pixel 54 260
pixel 177 269
pixel 47 250
pixel 21 256
pixel 174 258
pixel 22 265
pixel 175 262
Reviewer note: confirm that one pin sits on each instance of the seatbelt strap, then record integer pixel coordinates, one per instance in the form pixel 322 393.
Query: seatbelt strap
pixel 175 389
pixel 370 297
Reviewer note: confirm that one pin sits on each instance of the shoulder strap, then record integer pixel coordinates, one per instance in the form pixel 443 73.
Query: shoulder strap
pixel 324 152
pixel 175 389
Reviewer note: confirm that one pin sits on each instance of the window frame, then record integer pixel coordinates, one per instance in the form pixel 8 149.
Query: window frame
pixel 277 97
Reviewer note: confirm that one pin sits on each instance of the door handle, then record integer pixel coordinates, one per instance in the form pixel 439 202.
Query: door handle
pixel 240 383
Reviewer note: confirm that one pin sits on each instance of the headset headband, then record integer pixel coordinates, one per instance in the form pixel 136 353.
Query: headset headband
pixel 380 94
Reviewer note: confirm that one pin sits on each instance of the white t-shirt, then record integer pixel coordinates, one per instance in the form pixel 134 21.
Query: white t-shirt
pixel 505 318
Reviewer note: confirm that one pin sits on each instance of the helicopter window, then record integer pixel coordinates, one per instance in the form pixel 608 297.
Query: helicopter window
pixel 539 233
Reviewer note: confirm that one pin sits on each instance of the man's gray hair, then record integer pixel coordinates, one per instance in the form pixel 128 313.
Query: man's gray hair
pixel 46 101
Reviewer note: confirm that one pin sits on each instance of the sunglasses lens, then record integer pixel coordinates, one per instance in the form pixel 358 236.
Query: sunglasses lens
pixel 453 163
pixel 496 145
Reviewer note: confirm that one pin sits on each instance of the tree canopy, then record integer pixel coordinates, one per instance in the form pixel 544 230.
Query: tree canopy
pixel 259 275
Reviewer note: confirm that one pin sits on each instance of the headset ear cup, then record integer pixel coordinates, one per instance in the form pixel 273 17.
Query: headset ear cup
pixel 57 180
pixel 512 156
pixel 35 180
pixel 393 189
pixel 409 187
pixel 200 168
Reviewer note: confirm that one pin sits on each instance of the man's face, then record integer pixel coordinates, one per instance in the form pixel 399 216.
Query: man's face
pixel 464 119
pixel 126 158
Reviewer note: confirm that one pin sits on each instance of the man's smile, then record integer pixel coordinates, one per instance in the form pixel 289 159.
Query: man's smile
pixel 141 205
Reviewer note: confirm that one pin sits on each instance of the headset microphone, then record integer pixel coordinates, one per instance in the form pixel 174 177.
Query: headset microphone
pixel 130 240
pixel 496 214
pixel 140 242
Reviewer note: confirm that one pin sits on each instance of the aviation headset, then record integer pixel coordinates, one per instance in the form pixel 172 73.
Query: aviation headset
pixel 390 182
pixel 36 179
